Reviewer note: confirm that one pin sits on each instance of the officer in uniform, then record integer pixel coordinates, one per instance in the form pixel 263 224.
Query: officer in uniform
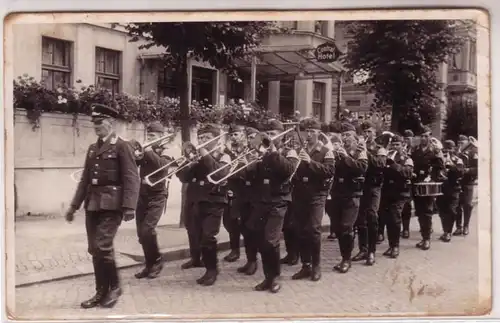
pixel 429 165
pixel 272 185
pixel 109 189
pixel 406 215
pixel 212 199
pixel 367 222
pixel 311 186
pixel 247 199
pixel 231 220
pixel 469 180
pixel 333 133
pixel 152 200
pixel 396 192
pixel 448 202
pixel 350 168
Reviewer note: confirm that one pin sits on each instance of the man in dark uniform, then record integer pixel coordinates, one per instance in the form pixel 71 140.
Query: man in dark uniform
pixel 272 184
pixel 367 222
pixel 429 166
pixel 212 199
pixel 109 188
pixel 311 186
pixel 448 202
pixel 396 192
pixel 247 200
pixel 152 200
pixel 291 238
pixel 231 219
pixel 469 180
pixel 350 168
pixel 406 215
pixel 336 140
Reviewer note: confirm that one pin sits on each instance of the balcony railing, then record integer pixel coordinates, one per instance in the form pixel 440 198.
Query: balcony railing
pixel 458 79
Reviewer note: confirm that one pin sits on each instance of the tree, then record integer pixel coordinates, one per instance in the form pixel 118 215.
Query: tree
pixel 220 44
pixel 461 118
pixel 400 60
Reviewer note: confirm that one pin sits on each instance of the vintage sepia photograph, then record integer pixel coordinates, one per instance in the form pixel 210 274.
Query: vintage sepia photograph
pixel 248 164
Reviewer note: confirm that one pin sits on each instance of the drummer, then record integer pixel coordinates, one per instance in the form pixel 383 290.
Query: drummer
pixel 429 163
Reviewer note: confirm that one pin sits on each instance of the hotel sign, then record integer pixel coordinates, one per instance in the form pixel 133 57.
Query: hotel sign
pixel 327 53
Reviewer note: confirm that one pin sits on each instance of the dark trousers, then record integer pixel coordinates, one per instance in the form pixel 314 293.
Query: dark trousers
pixel 448 205
pixel 267 224
pixel 328 207
pixel 367 221
pixel 406 215
pixel 464 210
pixel 101 227
pixel 231 222
pixel 424 209
pixel 149 210
pixel 391 206
pixel 344 212
pixel 207 226
pixel 308 215
pixel 249 238
pixel 193 230
pixel 290 234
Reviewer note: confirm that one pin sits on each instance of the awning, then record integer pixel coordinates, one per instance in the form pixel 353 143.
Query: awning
pixel 289 63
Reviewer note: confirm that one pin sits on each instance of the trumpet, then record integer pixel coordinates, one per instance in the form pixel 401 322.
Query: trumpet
pixel 391 154
pixel 258 144
pixel 472 144
pixel 181 162
pixel 141 147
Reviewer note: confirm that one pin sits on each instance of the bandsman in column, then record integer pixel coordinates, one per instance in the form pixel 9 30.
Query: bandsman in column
pixel 109 189
pixel 311 185
pixel 406 216
pixel 367 222
pixel 247 200
pixel 152 200
pixel 429 166
pixel 272 185
pixel 212 199
pixel 350 169
pixel 470 158
pixel 235 146
pixel 334 134
pixel 448 202
pixel 396 192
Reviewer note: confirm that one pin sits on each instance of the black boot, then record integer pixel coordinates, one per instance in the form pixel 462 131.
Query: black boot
pixel 192 263
pixel 304 272
pixel 370 259
pixel 458 232
pixel 233 255
pixel 363 244
pixel 316 273
pixel 209 278
pixel 101 286
pixel 143 273
pixel 156 268
pixel 115 290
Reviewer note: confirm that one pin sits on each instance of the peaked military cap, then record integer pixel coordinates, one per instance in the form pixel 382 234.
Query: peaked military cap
pixel 250 130
pixel 155 126
pixel 209 128
pixel 310 123
pixel 449 144
pixel 397 138
pixel 103 111
pixel 325 127
pixel 408 133
pixel 463 138
pixel 335 127
pixel 345 127
pixel 236 128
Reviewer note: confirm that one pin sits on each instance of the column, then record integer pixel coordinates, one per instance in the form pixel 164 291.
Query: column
pixel 274 96
pixel 442 78
pixel 303 97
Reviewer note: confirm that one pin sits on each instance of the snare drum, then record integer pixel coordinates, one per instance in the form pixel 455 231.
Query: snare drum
pixel 427 189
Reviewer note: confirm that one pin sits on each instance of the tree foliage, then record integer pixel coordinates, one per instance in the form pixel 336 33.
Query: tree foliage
pixel 401 59
pixel 461 118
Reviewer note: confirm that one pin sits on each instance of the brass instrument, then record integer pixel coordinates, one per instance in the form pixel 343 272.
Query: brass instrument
pixel 385 136
pixel 472 144
pixel 181 162
pixel 139 148
pixel 391 154
pixel 257 144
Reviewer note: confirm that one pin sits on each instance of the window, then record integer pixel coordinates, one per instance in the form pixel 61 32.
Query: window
pixel 321 27
pixel 56 62
pixel 473 57
pixel 202 86
pixel 235 90
pixel 107 69
pixel 166 84
pixel 290 24
pixel 319 100
pixel 287 98
pixel 353 103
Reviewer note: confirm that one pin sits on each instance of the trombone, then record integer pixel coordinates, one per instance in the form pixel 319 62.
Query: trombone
pixel 181 162
pixel 265 144
pixel 141 147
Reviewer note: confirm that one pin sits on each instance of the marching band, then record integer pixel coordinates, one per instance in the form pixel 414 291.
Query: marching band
pixel 260 183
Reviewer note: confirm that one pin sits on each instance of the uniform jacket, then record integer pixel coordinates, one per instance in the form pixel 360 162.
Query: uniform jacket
pixel 270 177
pixel 376 166
pixel 152 161
pixel 455 172
pixel 236 184
pixel 199 188
pixel 398 175
pixel 315 178
pixel 470 160
pixel 110 178
pixel 427 162
pixel 350 172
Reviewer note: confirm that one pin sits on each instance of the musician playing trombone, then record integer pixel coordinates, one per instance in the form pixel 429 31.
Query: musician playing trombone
pixel 333 133
pixel 208 200
pixel 468 152
pixel 311 185
pixel 350 168
pixel 152 200
pixel 429 166
pixel 448 202
pixel 406 215
pixel 367 222
pixel 396 192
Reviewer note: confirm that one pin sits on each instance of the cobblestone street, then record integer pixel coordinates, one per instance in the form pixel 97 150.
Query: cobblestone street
pixel 443 280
